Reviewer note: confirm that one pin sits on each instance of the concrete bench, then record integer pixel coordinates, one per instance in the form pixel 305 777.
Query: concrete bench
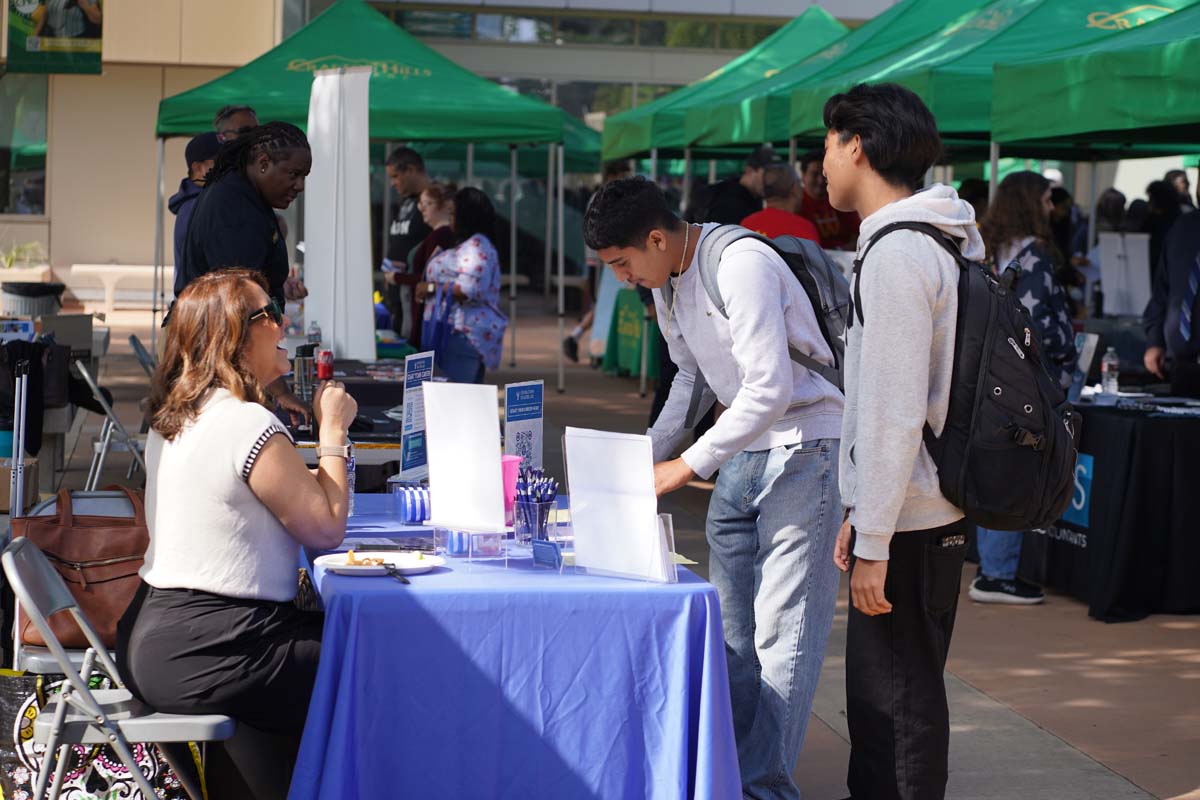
pixel 110 276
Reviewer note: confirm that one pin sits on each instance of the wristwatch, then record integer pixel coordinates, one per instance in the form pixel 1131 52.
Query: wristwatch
pixel 431 288
pixel 340 451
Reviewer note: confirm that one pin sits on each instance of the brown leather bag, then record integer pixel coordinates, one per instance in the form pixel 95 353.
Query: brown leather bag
pixel 98 557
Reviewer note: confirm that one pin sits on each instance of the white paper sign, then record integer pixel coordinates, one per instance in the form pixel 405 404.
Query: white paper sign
pixel 523 415
pixel 463 447
pixel 418 370
pixel 1125 272
pixel 614 511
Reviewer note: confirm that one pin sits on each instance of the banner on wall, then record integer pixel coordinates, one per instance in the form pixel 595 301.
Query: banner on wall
pixel 55 36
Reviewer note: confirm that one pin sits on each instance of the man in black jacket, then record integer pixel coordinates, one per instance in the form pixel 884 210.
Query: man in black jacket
pixel 1172 329
pixel 733 199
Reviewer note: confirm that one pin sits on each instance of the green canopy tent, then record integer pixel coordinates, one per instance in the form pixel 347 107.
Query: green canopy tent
pixel 1136 88
pixel 951 70
pixel 658 125
pixel 416 95
pixel 758 112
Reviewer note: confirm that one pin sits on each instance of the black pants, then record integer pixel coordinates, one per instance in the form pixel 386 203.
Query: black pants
pixel 190 652
pixel 895 692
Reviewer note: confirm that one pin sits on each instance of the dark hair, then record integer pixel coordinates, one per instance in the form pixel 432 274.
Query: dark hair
pixel 811 156
pixel 1110 210
pixel 614 169
pixel 1163 197
pixel 778 180
pixel 1175 174
pixel 228 111
pixel 440 193
pixel 899 134
pixel 404 157
pixel 473 214
pixel 622 214
pixel 1059 195
pixel 1015 213
pixel 762 156
pixel 973 190
pixel 275 139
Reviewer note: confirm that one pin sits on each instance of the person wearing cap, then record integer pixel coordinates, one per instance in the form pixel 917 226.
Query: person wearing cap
pixel 200 154
pixel 734 199
pixel 781 198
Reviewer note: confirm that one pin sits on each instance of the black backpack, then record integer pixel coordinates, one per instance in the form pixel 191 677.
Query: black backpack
pixel 1007 454
pixel 821 278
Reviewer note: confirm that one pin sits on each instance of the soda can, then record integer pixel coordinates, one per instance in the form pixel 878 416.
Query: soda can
pixel 324 365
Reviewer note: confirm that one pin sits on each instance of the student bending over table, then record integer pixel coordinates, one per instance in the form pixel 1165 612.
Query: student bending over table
pixel 229 503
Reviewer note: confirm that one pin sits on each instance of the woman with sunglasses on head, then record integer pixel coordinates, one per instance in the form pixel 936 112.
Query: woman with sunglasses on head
pixel 229 504
pixel 234 222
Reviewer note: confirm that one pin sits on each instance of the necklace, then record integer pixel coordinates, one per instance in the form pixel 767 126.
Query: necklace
pixel 687 231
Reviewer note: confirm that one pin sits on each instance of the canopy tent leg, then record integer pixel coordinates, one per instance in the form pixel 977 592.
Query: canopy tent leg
pixel 549 219
pixel 994 169
pixel 386 223
pixel 687 180
pixel 158 298
pixel 792 151
pixel 654 164
pixel 512 255
pixel 1095 203
pixel 562 267
pixel 470 163
pixel 712 170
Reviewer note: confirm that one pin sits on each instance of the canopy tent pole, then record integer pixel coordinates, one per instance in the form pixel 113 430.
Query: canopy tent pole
pixel 470 163
pixel 158 300
pixel 712 170
pixel 549 219
pixel 562 266
pixel 792 152
pixel 654 164
pixel 993 172
pixel 1095 203
pixel 512 254
pixel 687 179
pixel 386 223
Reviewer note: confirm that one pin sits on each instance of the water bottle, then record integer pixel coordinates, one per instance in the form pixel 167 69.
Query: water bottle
pixel 1097 301
pixel 1110 372
pixel 314 333
pixel 350 464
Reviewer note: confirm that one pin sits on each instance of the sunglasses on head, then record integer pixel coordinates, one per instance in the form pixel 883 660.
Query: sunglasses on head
pixel 234 133
pixel 271 311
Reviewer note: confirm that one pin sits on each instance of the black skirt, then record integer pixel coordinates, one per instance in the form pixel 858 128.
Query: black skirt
pixel 189 652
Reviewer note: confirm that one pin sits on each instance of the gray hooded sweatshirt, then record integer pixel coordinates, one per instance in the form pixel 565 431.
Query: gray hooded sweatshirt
pixel 898 370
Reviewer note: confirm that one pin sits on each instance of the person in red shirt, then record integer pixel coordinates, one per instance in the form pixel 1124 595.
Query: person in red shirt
pixel 838 229
pixel 781 198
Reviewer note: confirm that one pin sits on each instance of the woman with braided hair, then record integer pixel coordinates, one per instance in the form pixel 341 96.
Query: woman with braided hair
pixel 234 223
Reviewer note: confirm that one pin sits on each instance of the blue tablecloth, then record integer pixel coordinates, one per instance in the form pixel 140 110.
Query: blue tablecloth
pixel 478 681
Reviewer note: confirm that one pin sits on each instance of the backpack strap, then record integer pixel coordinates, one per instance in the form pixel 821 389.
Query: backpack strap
pixel 937 234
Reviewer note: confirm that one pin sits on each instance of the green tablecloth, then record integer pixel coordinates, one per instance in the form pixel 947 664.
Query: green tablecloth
pixel 623 356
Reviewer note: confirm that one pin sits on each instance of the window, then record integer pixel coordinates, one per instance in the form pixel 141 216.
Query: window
pixel 23 144
pixel 647 92
pixel 532 87
pixel 582 98
pixel 596 30
pixel 677 33
pixel 510 28
pixel 744 35
pixel 436 24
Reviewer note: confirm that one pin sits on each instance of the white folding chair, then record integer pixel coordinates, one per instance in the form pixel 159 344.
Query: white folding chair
pixel 111 427
pixel 78 715
pixel 112 503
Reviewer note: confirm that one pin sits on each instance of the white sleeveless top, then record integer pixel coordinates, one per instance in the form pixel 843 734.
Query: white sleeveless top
pixel 208 531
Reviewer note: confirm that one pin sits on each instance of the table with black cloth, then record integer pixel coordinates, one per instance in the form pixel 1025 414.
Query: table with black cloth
pixel 485 680
pixel 1136 551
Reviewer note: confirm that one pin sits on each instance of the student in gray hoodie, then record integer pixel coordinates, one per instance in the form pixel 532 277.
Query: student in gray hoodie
pixel 903 542
pixel 775 511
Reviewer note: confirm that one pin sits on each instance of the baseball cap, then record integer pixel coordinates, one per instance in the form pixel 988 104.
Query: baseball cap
pixel 202 148
pixel 762 157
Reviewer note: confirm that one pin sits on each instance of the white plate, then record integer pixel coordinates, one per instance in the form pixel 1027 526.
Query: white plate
pixel 406 563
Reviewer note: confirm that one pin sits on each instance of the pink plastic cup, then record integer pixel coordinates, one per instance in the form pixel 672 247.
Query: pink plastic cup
pixel 510 467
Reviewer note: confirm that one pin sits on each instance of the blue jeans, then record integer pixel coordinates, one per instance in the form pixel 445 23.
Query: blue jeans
pixel 772 523
pixel 999 553
pixel 459 360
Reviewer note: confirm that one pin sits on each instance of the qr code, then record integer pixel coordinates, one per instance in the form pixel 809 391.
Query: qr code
pixel 524 445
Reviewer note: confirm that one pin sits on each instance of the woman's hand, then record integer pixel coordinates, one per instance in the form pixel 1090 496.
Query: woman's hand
pixel 421 291
pixel 334 407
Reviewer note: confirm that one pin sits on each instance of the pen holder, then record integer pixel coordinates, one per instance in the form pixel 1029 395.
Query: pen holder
pixel 530 520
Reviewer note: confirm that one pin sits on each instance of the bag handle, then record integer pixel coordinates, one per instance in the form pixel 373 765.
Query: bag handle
pixel 139 506
pixel 65 516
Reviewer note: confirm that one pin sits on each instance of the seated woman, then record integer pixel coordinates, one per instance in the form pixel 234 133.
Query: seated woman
pixel 229 504
pixel 471 273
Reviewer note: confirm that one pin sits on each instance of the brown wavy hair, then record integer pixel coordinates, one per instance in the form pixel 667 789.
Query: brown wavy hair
pixel 1015 213
pixel 205 339
pixel 440 193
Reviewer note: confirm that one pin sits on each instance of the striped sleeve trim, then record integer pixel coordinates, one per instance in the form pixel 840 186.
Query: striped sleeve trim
pixel 259 444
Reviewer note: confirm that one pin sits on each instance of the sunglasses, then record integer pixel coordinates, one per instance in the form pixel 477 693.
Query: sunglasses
pixel 271 311
pixel 234 133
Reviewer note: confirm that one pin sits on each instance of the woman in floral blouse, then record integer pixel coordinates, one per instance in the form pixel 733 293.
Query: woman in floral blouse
pixel 471 273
